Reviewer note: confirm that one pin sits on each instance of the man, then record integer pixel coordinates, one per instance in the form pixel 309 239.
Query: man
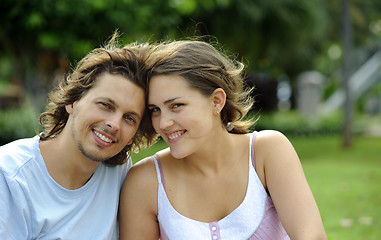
pixel 65 182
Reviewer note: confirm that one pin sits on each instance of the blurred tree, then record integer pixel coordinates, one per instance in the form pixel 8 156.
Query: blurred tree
pixel 42 37
pixel 274 37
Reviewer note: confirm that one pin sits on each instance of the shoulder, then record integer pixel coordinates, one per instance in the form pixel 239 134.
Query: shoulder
pixel 271 142
pixel 22 143
pixel 142 173
pixel 16 154
pixel 270 139
pixel 272 149
pixel 112 173
pixel 140 185
pixel 269 135
pixel 25 145
pixel 164 154
pixel 146 167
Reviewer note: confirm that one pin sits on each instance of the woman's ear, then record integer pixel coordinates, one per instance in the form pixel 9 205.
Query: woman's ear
pixel 219 99
pixel 69 108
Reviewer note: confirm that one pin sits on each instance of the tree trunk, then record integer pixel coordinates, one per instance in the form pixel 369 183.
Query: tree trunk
pixel 347 39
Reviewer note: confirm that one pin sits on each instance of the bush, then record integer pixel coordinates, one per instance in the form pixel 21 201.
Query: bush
pixel 293 123
pixel 18 123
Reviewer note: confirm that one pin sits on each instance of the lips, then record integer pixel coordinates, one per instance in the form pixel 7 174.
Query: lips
pixel 174 135
pixel 103 137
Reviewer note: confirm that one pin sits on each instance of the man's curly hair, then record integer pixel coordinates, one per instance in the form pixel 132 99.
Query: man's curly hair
pixel 111 59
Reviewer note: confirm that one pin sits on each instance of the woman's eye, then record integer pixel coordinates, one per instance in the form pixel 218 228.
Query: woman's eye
pixel 177 105
pixel 154 109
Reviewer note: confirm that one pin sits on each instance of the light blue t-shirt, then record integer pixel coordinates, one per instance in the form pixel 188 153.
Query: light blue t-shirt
pixel 34 206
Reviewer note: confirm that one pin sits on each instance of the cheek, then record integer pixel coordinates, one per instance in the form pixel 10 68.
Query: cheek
pixel 128 134
pixel 202 120
pixel 155 123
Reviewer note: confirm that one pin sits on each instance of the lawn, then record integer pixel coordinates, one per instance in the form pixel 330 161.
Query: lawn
pixel 345 183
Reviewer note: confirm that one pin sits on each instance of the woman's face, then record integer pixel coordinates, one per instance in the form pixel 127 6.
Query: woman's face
pixel 180 114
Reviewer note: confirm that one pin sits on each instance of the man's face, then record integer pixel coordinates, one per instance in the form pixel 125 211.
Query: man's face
pixel 107 117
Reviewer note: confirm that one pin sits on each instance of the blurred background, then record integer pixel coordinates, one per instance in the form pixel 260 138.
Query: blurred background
pixel 315 66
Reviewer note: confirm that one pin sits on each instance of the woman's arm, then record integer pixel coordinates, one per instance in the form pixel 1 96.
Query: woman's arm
pixel 138 203
pixel 281 173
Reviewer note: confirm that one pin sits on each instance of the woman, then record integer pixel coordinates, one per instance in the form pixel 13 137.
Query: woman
pixel 216 180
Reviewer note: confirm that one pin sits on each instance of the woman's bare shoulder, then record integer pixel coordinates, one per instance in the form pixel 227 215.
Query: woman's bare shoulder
pixel 145 168
pixel 164 154
pixel 142 173
pixel 267 138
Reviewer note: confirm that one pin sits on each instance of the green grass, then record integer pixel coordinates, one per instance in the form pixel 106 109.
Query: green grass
pixel 148 152
pixel 345 182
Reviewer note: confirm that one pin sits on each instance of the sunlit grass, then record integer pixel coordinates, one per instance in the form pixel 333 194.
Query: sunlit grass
pixel 345 182
pixel 148 152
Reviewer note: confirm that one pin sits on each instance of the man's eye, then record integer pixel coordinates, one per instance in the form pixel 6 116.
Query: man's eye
pixel 130 119
pixel 105 105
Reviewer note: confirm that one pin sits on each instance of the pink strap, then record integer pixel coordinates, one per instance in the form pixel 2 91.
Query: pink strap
pixel 161 170
pixel 252 149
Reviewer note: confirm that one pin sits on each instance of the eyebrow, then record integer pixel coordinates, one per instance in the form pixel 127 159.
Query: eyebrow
pixel 116 105
pixel 165 102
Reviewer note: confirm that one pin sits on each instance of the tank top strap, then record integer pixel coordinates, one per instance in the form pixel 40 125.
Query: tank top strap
pixel 159 170
pixel 252 139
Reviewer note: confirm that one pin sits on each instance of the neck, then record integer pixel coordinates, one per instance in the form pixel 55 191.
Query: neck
pixel 66 164
pixel 215 156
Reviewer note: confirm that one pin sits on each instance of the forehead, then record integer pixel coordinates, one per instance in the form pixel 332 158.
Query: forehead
pixel 111 82
pixel 117 88
pixel 164 87
pixel 173 79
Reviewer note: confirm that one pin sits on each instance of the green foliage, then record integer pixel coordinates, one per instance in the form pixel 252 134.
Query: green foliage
pixel 18 123
pixel 5 70
pixel 373 95
pixel 273 37
pixel 256 30
pixel 281 35
pixel 293 123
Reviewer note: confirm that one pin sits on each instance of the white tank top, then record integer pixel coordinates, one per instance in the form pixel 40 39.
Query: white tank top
pixel 254 218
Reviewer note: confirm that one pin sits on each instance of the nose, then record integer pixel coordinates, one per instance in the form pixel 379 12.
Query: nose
pixel 114 122
pixel 166 121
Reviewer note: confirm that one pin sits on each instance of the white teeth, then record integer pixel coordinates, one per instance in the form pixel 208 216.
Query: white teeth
pixel 104 138
pixel 173 136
